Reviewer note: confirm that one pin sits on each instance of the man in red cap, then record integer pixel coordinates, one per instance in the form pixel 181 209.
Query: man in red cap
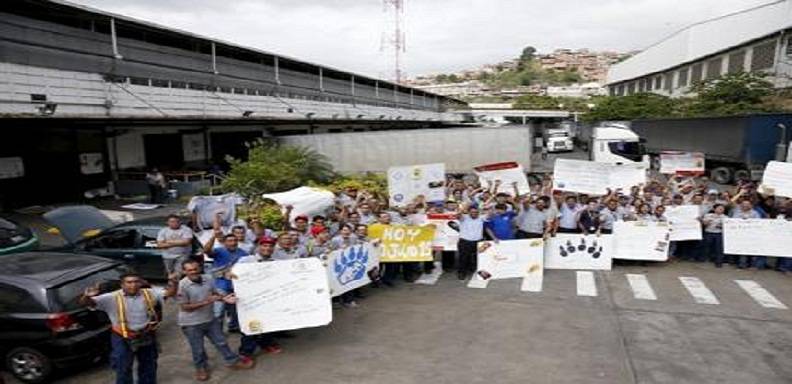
pixel 300 225
pixel 319 243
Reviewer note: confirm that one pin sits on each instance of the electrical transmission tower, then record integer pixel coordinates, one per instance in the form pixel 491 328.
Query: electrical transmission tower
pixel 394 40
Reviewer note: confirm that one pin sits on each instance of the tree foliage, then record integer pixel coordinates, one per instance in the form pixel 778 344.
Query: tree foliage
pixel 636 106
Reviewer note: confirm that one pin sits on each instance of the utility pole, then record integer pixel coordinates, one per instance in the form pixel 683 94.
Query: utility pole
pixel 395 40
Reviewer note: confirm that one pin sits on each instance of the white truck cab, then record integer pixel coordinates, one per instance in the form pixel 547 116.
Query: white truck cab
pixel 617 144
pixel 558 140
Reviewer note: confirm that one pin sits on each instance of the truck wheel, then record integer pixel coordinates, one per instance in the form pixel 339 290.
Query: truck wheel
pixel 721 175
pixel 28 365
pixel 742 174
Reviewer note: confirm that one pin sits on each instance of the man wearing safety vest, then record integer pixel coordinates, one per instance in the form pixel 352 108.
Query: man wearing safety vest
pixel 135 314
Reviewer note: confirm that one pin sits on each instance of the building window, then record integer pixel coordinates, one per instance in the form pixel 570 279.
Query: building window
pixel 695 72
pixel 631 88
pixel 789 47
pixel 763 56
pixel 612 91
pixel 669 81
pixel 658 82
pixel 736 62
pixel 620 90
pixel 714 68
pixel 682 78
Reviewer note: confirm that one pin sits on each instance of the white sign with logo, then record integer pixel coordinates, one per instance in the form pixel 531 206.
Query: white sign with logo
pixel 510 259
pixel 641 240
pixel 507 173
pixel 595 178
pixel 672 162
pixel 762 237
pixel 445 237
pixel 350 268
pixel 282 295
pixel 572 251
pixel 406 183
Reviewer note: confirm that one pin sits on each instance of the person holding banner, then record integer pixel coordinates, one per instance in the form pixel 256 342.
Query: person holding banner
pixel 500 226
pixel 224 259
pixel 568 215
pixel 745 210
pixel 713 234
pixel 471 231
pixel 534 220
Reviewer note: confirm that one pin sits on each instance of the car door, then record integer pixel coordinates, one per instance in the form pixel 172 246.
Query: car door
pixel 121 244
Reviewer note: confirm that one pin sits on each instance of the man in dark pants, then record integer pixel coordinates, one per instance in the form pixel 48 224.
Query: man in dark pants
pixel 471 231
pixel 135 314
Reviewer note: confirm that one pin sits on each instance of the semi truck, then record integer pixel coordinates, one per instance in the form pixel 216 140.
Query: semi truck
pixel 612 142
pixel 735 147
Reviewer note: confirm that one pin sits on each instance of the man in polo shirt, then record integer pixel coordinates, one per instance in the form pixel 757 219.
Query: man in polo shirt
pixel 286 249
pixel 196 297
pixel 499 226
pixel 223 259
pixel 175 240
pixel 533 219
pixel 135 314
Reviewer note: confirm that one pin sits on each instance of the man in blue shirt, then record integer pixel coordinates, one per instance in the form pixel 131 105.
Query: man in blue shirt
pixel 499 225
pixel 223 258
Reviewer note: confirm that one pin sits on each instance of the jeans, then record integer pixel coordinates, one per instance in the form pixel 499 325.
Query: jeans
pixel 248 343
pixel 759 262
pixel 713 247
pixel 173 264
pixel 212 330
pixel 221 310
pixel 122 358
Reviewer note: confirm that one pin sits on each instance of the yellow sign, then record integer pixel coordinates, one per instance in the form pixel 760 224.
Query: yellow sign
pixel 402 243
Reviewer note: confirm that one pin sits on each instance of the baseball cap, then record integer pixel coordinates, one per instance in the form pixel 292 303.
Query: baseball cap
pixel 317 230
pixel 266 240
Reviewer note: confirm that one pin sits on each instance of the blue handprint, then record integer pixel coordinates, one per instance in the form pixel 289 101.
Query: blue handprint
pixel 351 264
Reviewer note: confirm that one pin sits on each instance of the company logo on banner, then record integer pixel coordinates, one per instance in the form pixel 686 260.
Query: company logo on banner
pixel 508 173
pixel 571 251
pixel 682 163
pixel 349 268
pixel 406 183
pixel 402 243
pixel 641 240
pixel 445 237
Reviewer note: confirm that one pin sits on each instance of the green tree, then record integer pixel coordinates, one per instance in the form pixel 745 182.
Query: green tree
pixel 636 106
pixel 732 94
pixel 528 54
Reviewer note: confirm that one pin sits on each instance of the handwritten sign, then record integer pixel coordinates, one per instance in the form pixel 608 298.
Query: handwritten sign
pixel 402 243
pixel 684 222
pixel 595 178
pixel 349 268
pixel 406 183
pixel 641 240
pixel 508 173
pixel 570 251
pixel 446 238
pixel 282 295
pixel 763 237
pixel 686 163
pixel 778 177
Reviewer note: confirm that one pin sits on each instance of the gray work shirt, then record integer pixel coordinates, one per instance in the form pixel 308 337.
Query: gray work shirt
pixel 183 233
pixel 137 314
pixel 296 252
pixel 713 222
pixel 533 220
pixel 191 292
pixel 608 217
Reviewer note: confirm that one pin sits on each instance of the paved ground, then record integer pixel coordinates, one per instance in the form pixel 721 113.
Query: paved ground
pixel 448 333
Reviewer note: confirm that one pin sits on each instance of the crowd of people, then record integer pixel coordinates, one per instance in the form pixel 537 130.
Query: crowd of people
pixel 205 293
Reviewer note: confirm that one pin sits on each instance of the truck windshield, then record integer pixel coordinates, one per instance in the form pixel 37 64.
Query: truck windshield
pixel 632 150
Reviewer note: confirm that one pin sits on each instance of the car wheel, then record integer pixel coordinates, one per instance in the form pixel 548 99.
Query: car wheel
pixel 28 365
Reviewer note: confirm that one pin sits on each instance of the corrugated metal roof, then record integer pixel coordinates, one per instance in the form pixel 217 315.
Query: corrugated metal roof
pixel 706 38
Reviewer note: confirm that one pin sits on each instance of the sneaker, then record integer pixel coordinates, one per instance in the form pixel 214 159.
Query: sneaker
pixel 243 363
pixel 272 349
pixel 201 374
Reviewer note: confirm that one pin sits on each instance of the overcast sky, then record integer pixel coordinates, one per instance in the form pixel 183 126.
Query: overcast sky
pixel 442 35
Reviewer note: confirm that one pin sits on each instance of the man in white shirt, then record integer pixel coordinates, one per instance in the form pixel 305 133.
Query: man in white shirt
pixel 471 231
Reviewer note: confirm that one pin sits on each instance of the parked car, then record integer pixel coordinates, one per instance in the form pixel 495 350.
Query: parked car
pixel 15 238
pixel 42 326
pixel 89 231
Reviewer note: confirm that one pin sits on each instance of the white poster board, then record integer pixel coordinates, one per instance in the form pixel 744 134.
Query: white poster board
pixel 304 201
pixel 509 259
pixel 641 240
pixel 761 237
pixel 508 173
pixel 445 236
pixel 778 177
pixel 405 183
pixel 91 163
pixel 193 147
pixel 684 222
pixel 349 268
pixel 577 251
pixel 282 295
pixel 673 162
pixel 595 178
pixel 11 167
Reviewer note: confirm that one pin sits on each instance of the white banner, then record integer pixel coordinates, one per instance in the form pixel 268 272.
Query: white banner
pixel 349 268
pixel 405 183
pixel 282 295
pixel 509 259
pixel 641 240
pixel 572 251
pixel 778 177
pixel 672 162
pixel 595 178
pixel 304 201
pixel 684 222
pixel 445 237
pixel 761 237
pixel 508 174
pixel 11 167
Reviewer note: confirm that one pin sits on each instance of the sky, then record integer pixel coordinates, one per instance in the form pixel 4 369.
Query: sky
pixel 441 35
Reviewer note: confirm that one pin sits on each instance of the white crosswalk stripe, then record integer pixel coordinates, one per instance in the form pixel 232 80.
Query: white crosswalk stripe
pixel 431 278
pixel 640 286
pixel 586 285
pixel 760 295
pixel 701 294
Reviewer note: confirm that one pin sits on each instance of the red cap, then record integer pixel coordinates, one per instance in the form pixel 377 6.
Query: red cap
pixel 266 240
pixel 301 217
pixel 317 229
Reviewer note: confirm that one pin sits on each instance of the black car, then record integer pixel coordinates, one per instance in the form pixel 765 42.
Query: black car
pixel 15 238
pixel 42 326
pixel 89 231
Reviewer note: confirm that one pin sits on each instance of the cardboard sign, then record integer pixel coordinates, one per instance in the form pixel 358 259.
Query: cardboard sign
pixel 761 237
pixel 577 251
pixel 446 238
pixel 349 268
pixel 641 240
pixel 406 183
pixel 684 222
pixel 595 178
pixel 508 173
pixel 282 295
pixel 403 243
pixel 682 163
pixel 777 179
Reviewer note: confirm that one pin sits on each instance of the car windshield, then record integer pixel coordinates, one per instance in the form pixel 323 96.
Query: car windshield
pixel 65 297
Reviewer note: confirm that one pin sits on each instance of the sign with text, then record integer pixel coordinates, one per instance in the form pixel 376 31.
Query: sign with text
pixel 402 243
pixel 282 295
pixel 777 179
pixel 445 236
pixel 573 251
pixel 595 178
pixel 406 183
pixel 507 173
pixel 641 240
pixel 350 268
pixel 684 222
pixel 509 259
pixel 761 237
pixel 684 163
